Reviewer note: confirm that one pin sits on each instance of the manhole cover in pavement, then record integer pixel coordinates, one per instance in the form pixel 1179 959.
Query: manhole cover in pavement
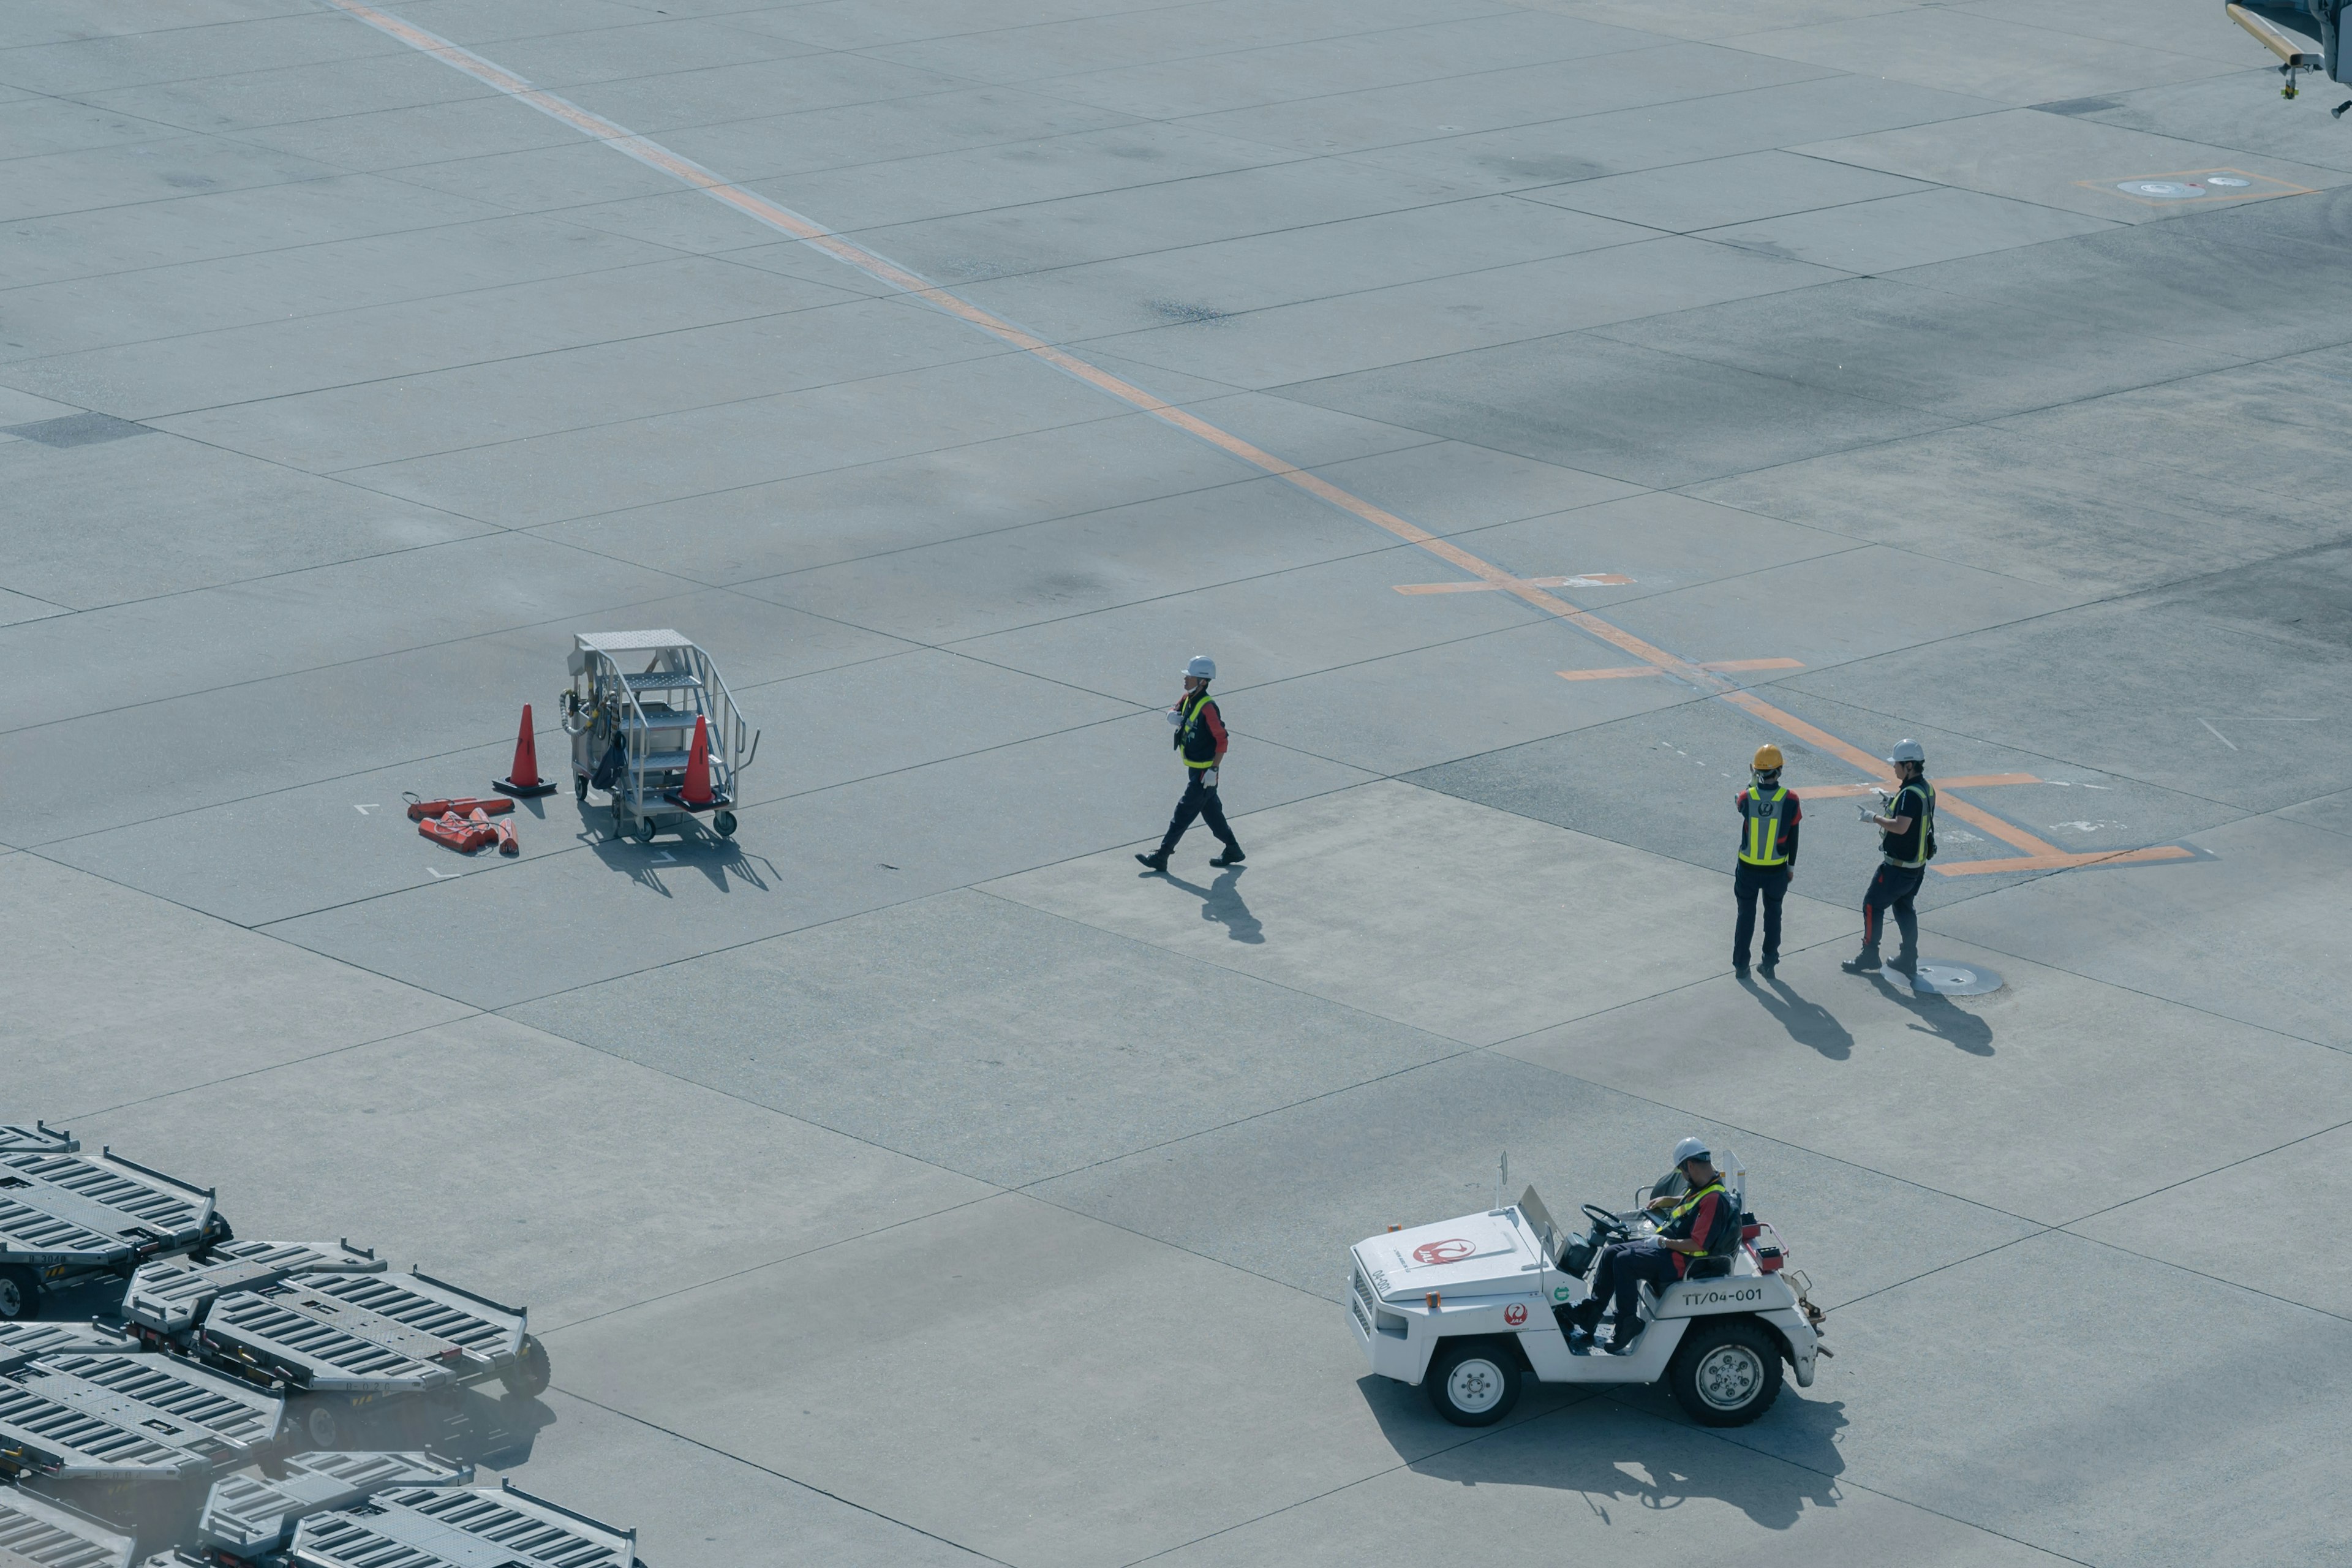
pixel 1950 977
pixel 2160 190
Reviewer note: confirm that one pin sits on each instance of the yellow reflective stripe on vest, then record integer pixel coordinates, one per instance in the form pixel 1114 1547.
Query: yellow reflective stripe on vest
pixel 1691 1201
pixel 1762 848
pixel 1925 824
pixel 1185 733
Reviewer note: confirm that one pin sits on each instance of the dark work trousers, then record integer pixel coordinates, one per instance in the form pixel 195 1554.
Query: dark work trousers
pixel 1199 800
pixel 1623 1266
pixel 1748 883
pixel 1894 887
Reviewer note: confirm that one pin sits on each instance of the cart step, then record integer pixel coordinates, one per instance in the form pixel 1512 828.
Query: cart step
pixel 663 680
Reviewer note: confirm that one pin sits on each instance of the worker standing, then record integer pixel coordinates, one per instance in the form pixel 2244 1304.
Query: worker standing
pixel 1768 815
pixel 1907 843
pixel 1201 741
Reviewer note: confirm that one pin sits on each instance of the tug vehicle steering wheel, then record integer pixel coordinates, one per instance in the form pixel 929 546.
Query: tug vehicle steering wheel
pixel 1608 1223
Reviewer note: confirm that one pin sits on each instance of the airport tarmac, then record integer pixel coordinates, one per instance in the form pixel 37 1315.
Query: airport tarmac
pixel 911 1182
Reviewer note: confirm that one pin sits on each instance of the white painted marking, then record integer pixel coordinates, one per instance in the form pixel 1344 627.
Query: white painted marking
pixel 2219 736
pixel 443 876
pixel 2086 826
pixel 663 858
pixel 363 810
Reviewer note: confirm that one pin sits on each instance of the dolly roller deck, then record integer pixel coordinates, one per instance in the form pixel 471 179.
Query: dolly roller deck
pixel 36 1532
pixel 64 1215
pixel 128 1415
pixel 460 1527
pixel 246 1515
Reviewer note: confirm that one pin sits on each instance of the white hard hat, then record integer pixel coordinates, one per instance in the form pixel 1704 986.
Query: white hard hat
pixel 1906 751
pixel 1202 666
pixel 1689 1149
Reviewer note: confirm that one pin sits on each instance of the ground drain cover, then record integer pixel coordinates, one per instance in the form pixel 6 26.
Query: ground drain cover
pixel 1950 977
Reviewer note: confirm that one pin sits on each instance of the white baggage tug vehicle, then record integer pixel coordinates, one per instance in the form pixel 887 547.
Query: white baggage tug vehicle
pixel 1471 1307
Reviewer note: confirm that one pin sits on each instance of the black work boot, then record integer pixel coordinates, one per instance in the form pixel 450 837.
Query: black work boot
pixel 1905 965
pixel 1627 1336
pixel 1769 968
pixel 1863 962
pixel 1232 857
pixel 1157 860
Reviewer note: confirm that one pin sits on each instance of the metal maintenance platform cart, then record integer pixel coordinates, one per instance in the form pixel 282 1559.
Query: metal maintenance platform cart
pixel 636 701
pixel 66 1216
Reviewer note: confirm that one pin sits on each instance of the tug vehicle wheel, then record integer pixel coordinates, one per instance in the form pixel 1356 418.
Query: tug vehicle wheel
pixel 1473 1382
pixel 1726 1373
pixel 20 1292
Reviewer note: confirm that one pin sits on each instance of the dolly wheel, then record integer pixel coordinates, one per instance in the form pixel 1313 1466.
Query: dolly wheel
pixel 528 1376
pixel 1473 1382
pixel 322 1426
pixel 20 1292
pixel 580 787
pixel 1727 1371
pixel 724 821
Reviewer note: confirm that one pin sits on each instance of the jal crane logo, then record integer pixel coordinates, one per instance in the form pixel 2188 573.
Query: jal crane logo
pixel 1514 1314
pixel 1453 1250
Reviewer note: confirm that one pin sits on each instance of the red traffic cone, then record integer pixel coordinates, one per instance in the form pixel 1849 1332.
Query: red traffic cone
pixel 525 779
pixel 695 794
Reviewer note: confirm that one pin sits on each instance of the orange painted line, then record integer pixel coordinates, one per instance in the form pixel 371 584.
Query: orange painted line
pixel 1755 664
pixel 1624 673
pixel 785 221
pixel 2007 832
pixel 1619 673
pixel 1976 781
pixel 2059 860
pixel 1594 580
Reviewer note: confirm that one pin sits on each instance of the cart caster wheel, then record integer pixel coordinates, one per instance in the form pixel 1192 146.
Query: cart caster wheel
pixel 20 1293
pixel 527 1378
pixel 580 790
pixel 643 831
pixel 322 1426
pixel 724 821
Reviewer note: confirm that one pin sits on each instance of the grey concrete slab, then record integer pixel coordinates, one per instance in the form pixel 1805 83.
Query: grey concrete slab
pixel 863 510
pixel 560 48
pixel 2036 1435
pixel 1713 191
pixel 1263 630
pixel 822 343
pixel 652 104
pixel 1477 959
pixel 2274 893
pixel 865 135
pixel 1209 283
pixel 23 408
pixel 1662 541
pixel 1964 50
pixel 2304 1178
pixel 548 479
pixel 1979 1096
pixel 807 1024
pixel 1024 1318
pixel 262 94
pixel 684 1500
pixel 1630 406
pixel 1319 339
pixel 2323 812
pixel 16 607
pixel 61 21
pixel 1050 571
pixel 88 64
pixel 1447 487
pixel 1598 1473
pixel 229 223
pixel 133 497
pixel 1285 1194
pixel 451 1124
pixel 201 1003
pixel 1434 109
pixel 1924 348
pixel 56 184
pixel 35 126
pixel 1894 232
pixel 2120 705
pixel 800 862
pixel 2060 161
pixel 2233 110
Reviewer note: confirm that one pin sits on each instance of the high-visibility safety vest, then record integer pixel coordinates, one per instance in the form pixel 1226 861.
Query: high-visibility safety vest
pixel 1191 730
pixel 1760 842
pixel 1923 825
pixel 1684 1215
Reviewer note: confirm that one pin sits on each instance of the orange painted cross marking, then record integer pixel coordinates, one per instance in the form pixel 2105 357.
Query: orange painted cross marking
pixel 1628 672
pixel 1974 781
pixel 1596 580
pixel 1708 679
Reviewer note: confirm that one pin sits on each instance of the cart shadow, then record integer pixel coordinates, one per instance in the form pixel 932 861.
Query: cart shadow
pixel 476 1425
pixel 1221 902
pixel 1630 1449
pixel 1807 1022
pixel 723 862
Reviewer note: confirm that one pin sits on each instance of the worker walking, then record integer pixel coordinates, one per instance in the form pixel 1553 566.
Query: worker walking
pixel 1201 741
pixel 1907 843
pixel 1769 816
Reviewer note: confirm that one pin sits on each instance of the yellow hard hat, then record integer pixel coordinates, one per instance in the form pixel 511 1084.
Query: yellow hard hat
pixel 1768 759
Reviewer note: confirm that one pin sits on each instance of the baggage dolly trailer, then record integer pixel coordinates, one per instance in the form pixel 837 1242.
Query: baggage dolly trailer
pixel 331 1325
pixel 393 1511
pixel 66 1216
pixel 634 699
pixel 48 1534
pixel 128 1416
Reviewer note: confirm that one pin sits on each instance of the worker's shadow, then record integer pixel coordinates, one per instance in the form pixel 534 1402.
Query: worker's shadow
pixel 1221 902
pixel 1938 1016
pixel 1808 1022
pixel 1628 1448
